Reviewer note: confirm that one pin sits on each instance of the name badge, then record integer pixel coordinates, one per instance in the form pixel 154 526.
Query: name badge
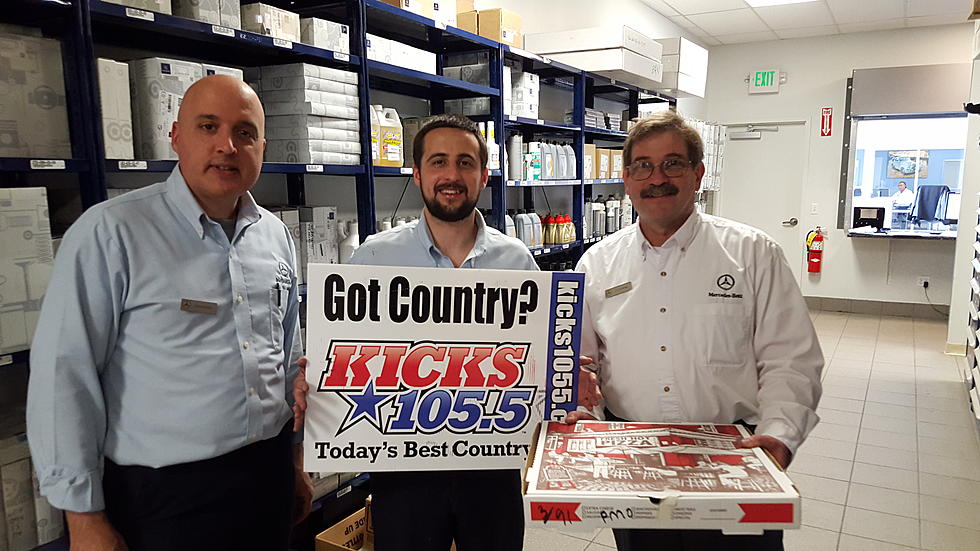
pixel 198 306
pixel 619 289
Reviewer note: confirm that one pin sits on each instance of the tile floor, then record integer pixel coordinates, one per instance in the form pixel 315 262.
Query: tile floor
pixel 894 464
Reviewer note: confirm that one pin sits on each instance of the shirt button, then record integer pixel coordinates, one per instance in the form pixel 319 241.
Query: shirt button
pixel 663 274
pixel 663 348
pixel 245 345
pixel 666 389
pixel 238 299
pixel 662 310
pixel 251 391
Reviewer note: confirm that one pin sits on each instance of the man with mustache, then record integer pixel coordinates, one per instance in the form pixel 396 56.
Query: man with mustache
pixel 694 318
pixel 158 413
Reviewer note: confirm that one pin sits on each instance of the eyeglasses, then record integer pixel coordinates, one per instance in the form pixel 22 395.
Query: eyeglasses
pixel 672 168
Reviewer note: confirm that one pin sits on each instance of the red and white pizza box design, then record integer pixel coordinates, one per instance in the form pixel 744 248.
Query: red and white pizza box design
pixel 653 475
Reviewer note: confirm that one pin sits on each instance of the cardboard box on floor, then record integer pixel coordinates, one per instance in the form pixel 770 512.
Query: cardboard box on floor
pixel 353 533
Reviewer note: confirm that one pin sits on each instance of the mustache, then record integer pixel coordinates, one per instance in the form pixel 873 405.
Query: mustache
pixel 659 191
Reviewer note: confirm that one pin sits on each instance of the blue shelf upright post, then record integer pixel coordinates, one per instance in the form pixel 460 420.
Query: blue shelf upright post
pixel 498 187
pixel 364 182
pixel 578 119
pixel 85 107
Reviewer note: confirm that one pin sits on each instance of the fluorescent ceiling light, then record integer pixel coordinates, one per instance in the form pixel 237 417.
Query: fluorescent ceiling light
pixel 764 3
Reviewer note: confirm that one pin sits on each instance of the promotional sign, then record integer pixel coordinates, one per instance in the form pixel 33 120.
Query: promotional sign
pixel 826 121
pixel 431 369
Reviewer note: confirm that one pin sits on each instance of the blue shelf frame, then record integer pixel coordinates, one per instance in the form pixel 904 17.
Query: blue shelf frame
pixel 115 166
pixel 555 249
pixel 543 183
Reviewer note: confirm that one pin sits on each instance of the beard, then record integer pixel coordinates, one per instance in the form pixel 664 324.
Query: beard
pixel 659 191
pixel 445 213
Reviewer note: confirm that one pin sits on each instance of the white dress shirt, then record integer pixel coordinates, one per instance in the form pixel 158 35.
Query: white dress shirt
pixel 709 327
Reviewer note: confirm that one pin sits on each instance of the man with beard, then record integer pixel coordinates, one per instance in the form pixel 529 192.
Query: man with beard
pixel 427 510
pixel 694 318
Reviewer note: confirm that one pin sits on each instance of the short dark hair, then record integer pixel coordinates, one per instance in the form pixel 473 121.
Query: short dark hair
pixel 448 121
pixel 658 123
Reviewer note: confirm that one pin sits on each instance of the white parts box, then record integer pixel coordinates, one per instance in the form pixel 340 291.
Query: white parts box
pixel 312 133
pixel 222 70
pixel 208 11
pixel 311 108
pixel 593 38
pixel 231 13
pixel 444 11
pixel 306 83
pixel 158 86
pixel 311 121
pixel 646 475
pixel 117 117
pixel 313 96
pixel 319 235
pixel 159 6
pixel 321 146
pixel 271 21
pixel 33 116
pixel 297 151
pixel 378 48
pixel 325 34
pixel 685 67
pixel 26 258
pixel 617 63
pixel 294 70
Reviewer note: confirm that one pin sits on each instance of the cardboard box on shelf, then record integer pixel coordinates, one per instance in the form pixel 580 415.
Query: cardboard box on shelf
pixel 466 5
pixel 271 21
pixel 593 38
pixel 414 6
pixel 208 11
pixel 157 87
pixel 589 162
pixel 468 21
pixel 159 6
pixel 618 63
pixel 26 258
pixel 117 116
pixel 413 58
pixel 320 246
pixel 444 11
pixel 231 13
pixel 605 163
pixel 314 96
pixel 325 34
pixel 616 168
pixel 475 74
pixel 310 108
pixel 685 71
pixel 348 534
pixel 501 25
pixel 209 70
pixel 311 121
pixel 378 48
pixel 306 83
pixel 33 115
pixel 312 133
pixel 295 70
pixel 319 146
pixel 285 151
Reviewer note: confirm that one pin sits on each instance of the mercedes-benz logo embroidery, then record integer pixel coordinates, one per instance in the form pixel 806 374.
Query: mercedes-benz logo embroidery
pixel 726 282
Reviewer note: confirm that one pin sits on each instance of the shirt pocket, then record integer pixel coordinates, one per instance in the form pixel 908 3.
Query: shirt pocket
pixel 725 334
pixel 278 298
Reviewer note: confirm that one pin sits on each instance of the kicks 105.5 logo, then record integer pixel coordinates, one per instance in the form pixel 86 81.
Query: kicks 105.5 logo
pixel 427 387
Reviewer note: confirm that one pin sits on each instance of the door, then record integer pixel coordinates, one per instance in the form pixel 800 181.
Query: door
pixel 762 186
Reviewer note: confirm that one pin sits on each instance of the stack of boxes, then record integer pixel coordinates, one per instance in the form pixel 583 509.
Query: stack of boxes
pixel 271 21
pixel 157 86
pixel 602 164
pixel 713 136
pixel 33 115
pixel 441 11
pixel 613 121
pixel 501 25
pixel 685 67
pixel 226 13
pixel 525 92
pixel 117 118
pixel 311 113
pixel 393 52
pixel 473 67
pixel 619 53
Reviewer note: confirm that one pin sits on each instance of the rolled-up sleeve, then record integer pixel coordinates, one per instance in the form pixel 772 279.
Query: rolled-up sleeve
pixel 76 333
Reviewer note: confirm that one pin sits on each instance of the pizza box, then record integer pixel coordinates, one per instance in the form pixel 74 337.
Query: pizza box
pixel 598 474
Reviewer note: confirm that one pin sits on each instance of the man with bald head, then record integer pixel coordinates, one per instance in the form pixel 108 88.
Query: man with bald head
pixel 158 416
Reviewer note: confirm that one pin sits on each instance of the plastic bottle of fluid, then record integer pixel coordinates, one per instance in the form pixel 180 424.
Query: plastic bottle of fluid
pixel 532 165
pixel 548 161
pixel 548 230
pixel 350 242
pixel 375 135
pixel 384 224
pixel 562 171
pixel 572 163
pixel 515 158
pixel 391 138
pixel 537 230
pixel 599 216
pixel 587 218
pixel 510 226
pixel 625 211
pixel 400 221
pixel 525 228
pixel 493 149
pixel 612 219
pixel 569 229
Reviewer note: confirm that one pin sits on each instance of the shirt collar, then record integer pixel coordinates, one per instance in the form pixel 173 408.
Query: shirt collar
pixel 425 237
pixel 190 209
pixel 680 239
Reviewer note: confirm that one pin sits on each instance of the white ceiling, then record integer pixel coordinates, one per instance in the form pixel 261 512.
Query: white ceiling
pixel 718 22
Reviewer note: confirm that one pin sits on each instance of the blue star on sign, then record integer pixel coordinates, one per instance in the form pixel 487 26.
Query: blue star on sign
pixel 364 405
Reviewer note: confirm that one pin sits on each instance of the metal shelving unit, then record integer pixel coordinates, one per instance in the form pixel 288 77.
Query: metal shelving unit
pixel 971 376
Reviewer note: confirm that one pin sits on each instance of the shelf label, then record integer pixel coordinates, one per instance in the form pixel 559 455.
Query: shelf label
pixel 223 31
pixel 314 168
pixel 546 60
pixel 6 359
pixel 441 25
pixel 341 57
pixel 132 165
pixel 406 170
pixel 139 14
pixel 282 43
pixel 539 121
pixel 546 251
pixel 512 117
pixel 344 491
pixel 47 164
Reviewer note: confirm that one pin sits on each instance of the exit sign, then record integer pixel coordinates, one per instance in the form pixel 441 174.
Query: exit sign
pixel 765 81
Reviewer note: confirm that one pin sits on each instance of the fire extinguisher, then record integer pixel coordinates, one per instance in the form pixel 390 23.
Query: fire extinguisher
pixel 814 251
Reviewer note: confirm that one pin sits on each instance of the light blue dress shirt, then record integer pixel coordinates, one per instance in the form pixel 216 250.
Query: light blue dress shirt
pixel 123 368
pixel 411 245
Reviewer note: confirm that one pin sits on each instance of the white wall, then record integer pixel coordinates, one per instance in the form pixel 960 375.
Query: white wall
pixel 817 69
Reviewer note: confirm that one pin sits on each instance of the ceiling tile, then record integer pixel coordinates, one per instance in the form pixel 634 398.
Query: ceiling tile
pixel 685 23
pixel 729 22
pixel 661 7
pixel 867 26
pixel 741 38
pixel 930 20
pixel 806 32
pixel 687 7
pixel 795 16
pixel 851 11
pixel 918 8
pixel 710 41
